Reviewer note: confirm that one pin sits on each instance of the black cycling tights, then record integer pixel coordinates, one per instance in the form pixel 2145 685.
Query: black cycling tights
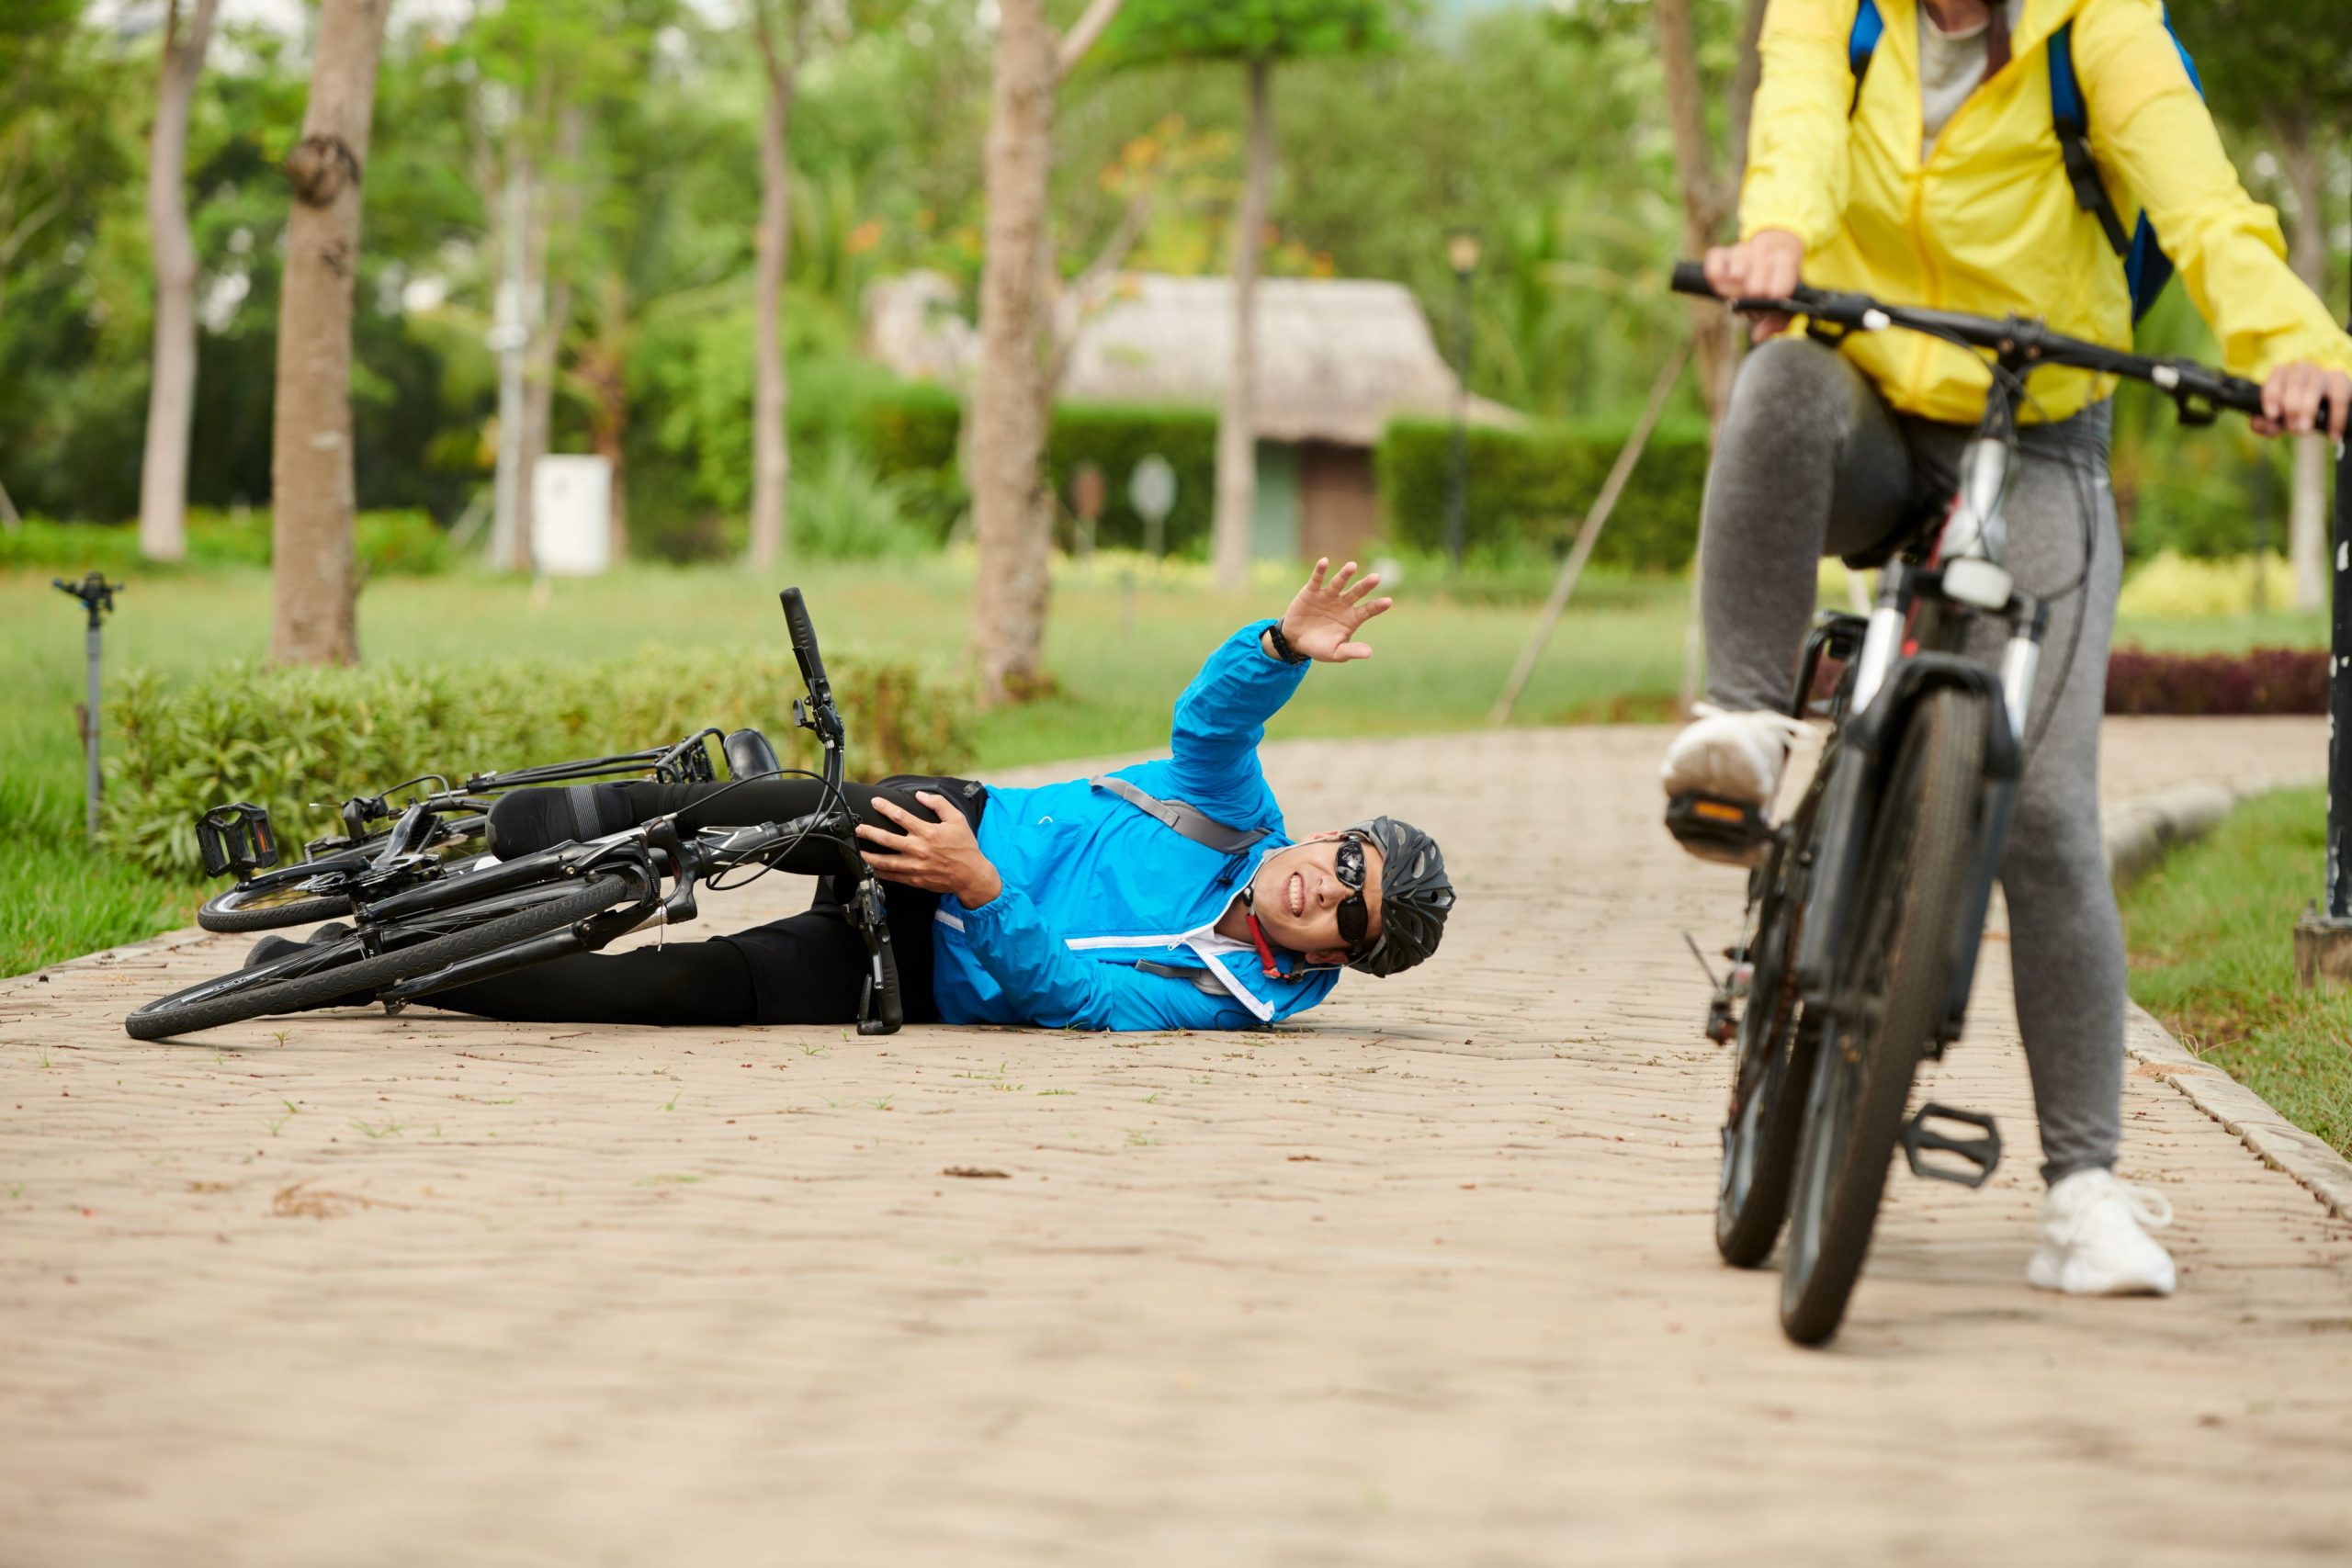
pixel 807 968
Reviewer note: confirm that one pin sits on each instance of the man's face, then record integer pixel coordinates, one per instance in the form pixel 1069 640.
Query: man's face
pixel 1298 892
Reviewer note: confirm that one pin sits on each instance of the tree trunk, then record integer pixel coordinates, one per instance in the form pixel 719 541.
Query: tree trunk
pixel 171 396
pixel 1236 430
pixel 312 488
pixel 555 218
pixel 772 385
pixel 509 537
pixel 2307 514
pixel 1007 427
pixel 604 364
pixel 1706 201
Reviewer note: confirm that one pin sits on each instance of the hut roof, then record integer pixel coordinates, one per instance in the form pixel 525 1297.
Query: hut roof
pixel 1337 357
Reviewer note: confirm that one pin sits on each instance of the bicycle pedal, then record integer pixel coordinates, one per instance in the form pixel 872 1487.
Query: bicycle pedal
pixel 1983 1154
pixel 1731 832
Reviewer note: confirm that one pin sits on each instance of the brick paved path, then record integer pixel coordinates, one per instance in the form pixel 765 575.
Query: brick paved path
pixel 1427 1281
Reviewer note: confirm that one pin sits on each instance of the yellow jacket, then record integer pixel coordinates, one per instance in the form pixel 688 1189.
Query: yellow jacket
pixel 1989 224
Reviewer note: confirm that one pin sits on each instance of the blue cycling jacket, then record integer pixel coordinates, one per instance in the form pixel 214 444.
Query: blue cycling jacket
pixel 1093 886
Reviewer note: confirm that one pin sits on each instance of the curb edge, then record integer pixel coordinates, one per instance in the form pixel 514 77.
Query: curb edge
pixel 2139 833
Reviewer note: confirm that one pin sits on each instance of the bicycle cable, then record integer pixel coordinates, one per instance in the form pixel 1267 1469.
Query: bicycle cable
pixel 2087 510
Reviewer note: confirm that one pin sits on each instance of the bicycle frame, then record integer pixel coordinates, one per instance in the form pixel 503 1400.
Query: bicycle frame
pixel 653 850
pixel 1950 580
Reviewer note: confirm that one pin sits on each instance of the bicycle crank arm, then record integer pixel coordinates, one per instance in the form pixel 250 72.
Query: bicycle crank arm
pixel 1983 1154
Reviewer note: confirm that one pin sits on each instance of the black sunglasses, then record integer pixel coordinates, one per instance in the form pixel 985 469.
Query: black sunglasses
pixel 1355 916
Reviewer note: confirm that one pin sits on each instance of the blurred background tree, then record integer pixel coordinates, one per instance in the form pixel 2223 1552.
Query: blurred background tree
pixel 634 127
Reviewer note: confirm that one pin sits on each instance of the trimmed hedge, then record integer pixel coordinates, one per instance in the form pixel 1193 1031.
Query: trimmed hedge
pixel 912 435
pixel 387 544
pixel 1530 489
pixel 2264 680
pixel 290 738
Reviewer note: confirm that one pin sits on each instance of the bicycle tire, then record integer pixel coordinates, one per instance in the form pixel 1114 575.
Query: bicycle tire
pixel 1769 1073
pixel 1910 883
pixel 240 909
pixel 221 1000
pixel 243 907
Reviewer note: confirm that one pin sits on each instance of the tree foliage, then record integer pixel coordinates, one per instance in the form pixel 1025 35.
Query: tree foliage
pixel 1155 31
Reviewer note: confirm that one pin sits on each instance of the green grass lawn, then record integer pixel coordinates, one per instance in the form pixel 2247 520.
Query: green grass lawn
pixel 1119 651
pixel 2212 939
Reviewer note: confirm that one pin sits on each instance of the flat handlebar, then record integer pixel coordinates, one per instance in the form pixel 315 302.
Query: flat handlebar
pixel 2023 342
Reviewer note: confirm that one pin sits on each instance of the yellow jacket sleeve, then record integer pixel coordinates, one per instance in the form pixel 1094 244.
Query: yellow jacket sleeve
pixel 1797 135
pixel 2152 137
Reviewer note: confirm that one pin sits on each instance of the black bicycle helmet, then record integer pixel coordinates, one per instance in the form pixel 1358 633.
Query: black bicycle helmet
pixel 1414 897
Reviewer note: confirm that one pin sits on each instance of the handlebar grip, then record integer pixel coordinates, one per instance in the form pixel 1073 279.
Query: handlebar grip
pixel 1689 278
pixel 804 640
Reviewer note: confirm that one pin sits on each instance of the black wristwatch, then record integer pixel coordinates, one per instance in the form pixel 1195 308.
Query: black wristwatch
pixel 1282 649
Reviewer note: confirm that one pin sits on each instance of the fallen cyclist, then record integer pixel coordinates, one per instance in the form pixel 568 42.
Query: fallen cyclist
pixel 1163 896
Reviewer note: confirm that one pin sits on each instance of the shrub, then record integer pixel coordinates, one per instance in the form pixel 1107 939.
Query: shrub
pixel 1115 437
pixel 289 739
pixel 2175 587
pixel 391 544
pixel 1529 488
pixel 912 434
pixel 841 510
pixel 909 429
pixel 2265 680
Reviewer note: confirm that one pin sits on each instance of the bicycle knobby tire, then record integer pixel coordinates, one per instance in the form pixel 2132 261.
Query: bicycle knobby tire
pixel 223 1000
pixel 1909 891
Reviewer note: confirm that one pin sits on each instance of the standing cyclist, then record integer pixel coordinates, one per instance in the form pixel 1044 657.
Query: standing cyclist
pixel 1937 178
pixel 1163 896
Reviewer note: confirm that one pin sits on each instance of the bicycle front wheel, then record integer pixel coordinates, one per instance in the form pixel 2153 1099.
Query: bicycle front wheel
pixel 1909 889
pixel 343 970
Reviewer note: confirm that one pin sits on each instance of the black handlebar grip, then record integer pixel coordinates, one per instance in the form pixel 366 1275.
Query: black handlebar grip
pixel 804 640
pixel 1689 278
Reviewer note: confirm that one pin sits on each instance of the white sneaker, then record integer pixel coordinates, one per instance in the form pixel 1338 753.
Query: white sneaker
pixel 2092 1243
pixel 1730 755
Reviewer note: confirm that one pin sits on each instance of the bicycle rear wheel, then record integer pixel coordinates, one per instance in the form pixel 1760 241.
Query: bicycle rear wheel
pixel 325 975
pixel 1909 889
pixel 306 893
pixel 1769 1081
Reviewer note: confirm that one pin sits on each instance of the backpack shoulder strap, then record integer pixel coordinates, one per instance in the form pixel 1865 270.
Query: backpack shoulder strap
pixel 1861 44
pixel 2073 127
pixel 1183 816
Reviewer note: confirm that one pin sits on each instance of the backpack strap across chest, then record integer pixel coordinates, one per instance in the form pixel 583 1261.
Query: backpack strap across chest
pixel 2147 268
pixel 1183 817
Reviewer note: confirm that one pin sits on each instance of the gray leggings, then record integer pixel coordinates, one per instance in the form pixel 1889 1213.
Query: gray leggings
pixel 1812 462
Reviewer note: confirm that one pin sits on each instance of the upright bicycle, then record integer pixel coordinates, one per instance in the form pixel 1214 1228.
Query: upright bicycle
pixel 1867 905
pixel 439 926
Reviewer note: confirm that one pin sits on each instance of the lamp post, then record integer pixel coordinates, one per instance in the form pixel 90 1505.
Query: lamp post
pixel 1461 253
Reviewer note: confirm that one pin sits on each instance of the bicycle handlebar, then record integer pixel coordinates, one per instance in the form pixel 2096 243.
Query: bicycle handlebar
pixel 804 645
pixel 2020 339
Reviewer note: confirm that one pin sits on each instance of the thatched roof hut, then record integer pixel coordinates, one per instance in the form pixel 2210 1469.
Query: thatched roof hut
pixel 1337 358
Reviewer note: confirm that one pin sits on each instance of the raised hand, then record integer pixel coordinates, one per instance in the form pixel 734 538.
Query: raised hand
pixel 1322 621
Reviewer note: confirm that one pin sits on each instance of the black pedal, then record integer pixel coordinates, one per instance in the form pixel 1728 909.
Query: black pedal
pixel 1983 1154
pixel 236 838
pixel 1732 832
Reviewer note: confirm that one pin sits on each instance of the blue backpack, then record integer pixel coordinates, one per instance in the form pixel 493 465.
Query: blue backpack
pixel 2145 266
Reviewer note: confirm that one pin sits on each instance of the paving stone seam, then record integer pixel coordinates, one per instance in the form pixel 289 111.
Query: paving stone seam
pixel 2139 834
